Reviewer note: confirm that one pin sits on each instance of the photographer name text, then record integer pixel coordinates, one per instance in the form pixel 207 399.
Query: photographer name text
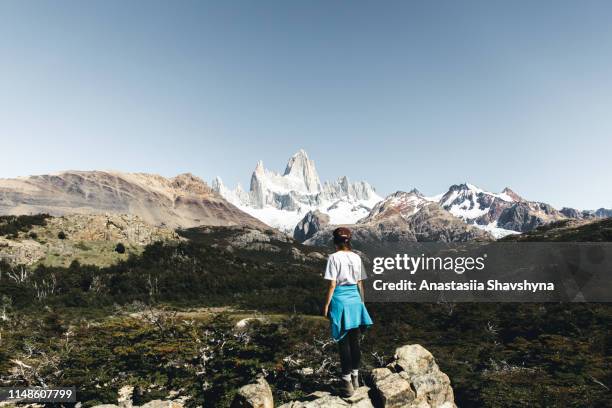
pixel 472 285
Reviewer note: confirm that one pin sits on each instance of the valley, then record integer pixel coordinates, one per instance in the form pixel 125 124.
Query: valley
pixel 181 291
pixel 201 316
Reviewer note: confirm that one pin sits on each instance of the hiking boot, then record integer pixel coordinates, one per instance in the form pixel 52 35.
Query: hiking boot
pixel 346 389
pixel 355 381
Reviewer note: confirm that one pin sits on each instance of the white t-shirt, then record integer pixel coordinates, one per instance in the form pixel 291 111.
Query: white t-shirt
pixel 345 267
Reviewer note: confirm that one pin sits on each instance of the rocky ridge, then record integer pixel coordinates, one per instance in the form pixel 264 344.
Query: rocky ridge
pixel 405 217
pixel 411 216
pixel 312 222
pixel 281 200
pixel 287 201
pixel 586 214
pixel 179 202
pixel 501 214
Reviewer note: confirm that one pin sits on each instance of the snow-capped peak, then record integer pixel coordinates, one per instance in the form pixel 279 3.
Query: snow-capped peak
pixel 259 168
pixel 417 192
pixel 510 195
pixel 217 183
pixel 467 191
pixel 302 168
pixel 406 204
pixel 477 206
pixel 282 200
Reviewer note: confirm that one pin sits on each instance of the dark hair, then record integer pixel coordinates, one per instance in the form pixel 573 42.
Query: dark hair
pixel 342 238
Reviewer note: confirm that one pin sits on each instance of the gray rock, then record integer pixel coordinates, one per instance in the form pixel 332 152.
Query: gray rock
pixel 312 222
pixel 411 380
pixel 393 390
pixel 176 403
pixel 297 254
pixel 528 215
pixel 361 398
pixel 256 395
pixel 417 366
pixel 323 399
pixel 572 213
pixel 163 404
pixel 124 399
pixel 603 213
pixel 318 400
pixel 316 255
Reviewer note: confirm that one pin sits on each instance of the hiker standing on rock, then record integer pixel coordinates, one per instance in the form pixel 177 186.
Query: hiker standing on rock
pixel 345 308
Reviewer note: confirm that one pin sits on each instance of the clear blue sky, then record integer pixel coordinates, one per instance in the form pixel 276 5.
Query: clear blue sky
pixel 403 94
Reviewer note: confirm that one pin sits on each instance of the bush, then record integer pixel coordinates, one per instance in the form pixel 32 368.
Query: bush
pixel 61 235
pixel 33 235
pixel 120 248
pixel 13 224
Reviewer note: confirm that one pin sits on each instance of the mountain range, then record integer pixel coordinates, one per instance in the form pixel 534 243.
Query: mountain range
pixel 403 217
pixel 282 200
pixel 295 201
pixel 179 202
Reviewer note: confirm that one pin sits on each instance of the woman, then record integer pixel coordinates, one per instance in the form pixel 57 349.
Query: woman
pixel 345 308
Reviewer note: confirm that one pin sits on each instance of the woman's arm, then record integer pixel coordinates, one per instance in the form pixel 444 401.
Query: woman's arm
pixel 330 293
pixel 360 285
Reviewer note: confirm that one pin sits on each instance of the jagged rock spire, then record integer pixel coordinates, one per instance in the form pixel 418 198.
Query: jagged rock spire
pixel 301 167
pixel 289 195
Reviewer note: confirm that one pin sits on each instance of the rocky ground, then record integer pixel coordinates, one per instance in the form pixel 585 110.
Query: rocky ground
pixel 87 238
pixel 411 380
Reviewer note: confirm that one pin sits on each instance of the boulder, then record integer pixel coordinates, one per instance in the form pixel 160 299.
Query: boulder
pixel 417 366
pixel 178 403
pixel 256 395
pixel 411 380
pixel 413 359
pixel 124 399
pixel 318 400
pixel 312 222
pixel 164 404
pixel 360 399
pixel 244 323
pixel 323 399
pixel 392 389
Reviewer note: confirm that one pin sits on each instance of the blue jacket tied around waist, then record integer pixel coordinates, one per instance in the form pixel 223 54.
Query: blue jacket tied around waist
pixel 347 311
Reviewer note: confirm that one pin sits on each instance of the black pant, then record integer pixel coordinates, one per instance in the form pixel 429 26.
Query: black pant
pixel 350 354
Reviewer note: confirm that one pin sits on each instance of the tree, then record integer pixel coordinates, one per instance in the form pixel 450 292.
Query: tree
pixel 61 235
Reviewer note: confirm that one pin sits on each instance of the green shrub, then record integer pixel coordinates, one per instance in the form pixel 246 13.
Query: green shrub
pixel 13 224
